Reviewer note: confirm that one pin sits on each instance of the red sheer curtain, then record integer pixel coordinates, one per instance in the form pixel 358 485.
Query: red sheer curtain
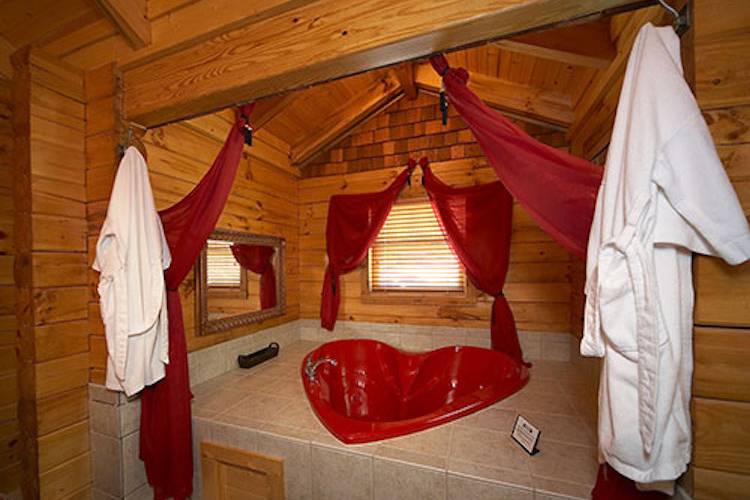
pixel 166 441
pixel 477 223
pixel 259 259
pixel 354 221
pixel 557 189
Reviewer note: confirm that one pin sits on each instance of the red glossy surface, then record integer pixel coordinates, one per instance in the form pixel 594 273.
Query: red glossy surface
pixel 378 392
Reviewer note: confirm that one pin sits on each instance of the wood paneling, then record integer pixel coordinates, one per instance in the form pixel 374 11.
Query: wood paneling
pixel 717 485
pixel 722 435
pixel 50 269
pixel 521 100
pixel 130 18
pixel 595 110
pixel 721 363
pixel 230 473
pixel 339 41
pixel 263 201
pixel 10 446
pixel 537 288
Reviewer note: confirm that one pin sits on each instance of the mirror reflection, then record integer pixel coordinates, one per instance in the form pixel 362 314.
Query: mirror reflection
pixel 239 280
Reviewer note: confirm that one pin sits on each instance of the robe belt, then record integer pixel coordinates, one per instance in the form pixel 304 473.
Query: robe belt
pixel 641 273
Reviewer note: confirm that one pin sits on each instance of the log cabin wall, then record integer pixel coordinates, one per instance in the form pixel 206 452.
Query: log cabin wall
pixel 720 41
pixel 538 284
pixel 10 446
pixel 263 199
pixel 721 382
pixel 50 275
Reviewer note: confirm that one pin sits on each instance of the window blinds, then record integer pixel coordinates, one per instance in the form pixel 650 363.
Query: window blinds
pixel 222 269
pixel 411 253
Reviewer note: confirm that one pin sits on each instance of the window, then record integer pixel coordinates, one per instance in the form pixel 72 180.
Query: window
pixel 222 270
pixel 411 253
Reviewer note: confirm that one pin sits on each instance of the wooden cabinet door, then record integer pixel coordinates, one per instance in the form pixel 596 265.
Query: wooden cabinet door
pixel 234 474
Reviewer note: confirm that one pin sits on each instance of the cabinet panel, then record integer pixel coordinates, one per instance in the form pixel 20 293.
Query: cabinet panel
pixel 234 474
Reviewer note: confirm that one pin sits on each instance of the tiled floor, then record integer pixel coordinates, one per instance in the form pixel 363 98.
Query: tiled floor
pixel 473 457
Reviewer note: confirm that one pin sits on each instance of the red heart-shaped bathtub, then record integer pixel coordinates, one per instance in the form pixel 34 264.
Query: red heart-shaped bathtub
pixel 376 391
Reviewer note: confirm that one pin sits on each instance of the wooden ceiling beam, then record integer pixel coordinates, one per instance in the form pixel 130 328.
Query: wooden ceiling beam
pixel 334 127
pixel 405 74
pixel 587 44
pixel 324 40
pixel 129 16
pixel 542 105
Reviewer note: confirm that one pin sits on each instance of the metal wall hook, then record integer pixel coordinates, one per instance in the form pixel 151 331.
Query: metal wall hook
pixel 681 21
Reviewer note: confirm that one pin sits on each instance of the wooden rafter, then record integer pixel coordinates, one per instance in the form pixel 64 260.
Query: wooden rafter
pixel 582 45
pixel 378 96
pixel 324 40
pixel 520 100
pixel 267 109
pixel 129 16
pixel 405 74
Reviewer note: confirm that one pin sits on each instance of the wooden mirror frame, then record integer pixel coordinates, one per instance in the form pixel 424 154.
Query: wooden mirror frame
pixel 204 326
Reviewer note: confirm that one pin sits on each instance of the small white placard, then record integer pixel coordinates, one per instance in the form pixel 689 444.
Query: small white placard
pixel 526 435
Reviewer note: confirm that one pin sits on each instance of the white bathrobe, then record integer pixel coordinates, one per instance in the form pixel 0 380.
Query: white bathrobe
pixel 665 194
pixel 131 255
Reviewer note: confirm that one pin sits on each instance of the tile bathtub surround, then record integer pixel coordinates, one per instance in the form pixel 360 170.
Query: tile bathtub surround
pixel 213 361
pixel 210 362
pixel 265 409
pixel 552 346
pixel 117 472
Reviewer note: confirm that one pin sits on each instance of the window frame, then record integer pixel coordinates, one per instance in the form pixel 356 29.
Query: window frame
pixel 468 295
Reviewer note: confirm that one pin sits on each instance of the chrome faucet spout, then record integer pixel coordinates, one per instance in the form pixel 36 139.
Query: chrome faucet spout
pixel 312 366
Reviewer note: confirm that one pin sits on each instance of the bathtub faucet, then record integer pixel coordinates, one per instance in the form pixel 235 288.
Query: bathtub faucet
pixel 311 367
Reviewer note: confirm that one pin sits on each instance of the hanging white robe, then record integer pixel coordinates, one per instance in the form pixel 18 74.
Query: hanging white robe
pixel 131 255
pixel 664 195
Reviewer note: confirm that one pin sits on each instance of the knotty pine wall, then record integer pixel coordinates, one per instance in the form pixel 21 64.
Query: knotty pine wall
pixel 538 284
pixel 716 55
pixel 10 446
pixel 263 199
pixel 50 273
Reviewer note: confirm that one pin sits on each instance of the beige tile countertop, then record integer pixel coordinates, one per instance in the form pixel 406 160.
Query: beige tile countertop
pixel 264 409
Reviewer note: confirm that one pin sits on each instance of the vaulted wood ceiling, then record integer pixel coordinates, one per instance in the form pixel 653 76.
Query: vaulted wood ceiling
pixel 537 76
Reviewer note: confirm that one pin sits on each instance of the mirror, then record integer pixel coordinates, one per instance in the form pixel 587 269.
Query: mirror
pixel 239 280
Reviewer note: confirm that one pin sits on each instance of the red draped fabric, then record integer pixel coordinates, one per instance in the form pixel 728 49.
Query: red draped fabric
pixel 477 223
pixel 166 441
pixel 557 189
pixel 354 221
pixel 611 485
pixel 259 259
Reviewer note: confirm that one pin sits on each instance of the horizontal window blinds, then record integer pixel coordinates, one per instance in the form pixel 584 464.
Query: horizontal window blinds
pixel 411 253
pixel 222 269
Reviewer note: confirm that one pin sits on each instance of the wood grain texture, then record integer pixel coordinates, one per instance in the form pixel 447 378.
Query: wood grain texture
pixel 10 445
pixel 263 201
pixel 717 485
pixel 537 287
pixel 722 370
pixel 722 79
pixel 722 435
pixel 348 116
pixel 130 18
pixel 50 225
pixel 545 105
pixel 586 44
pixel 234 473
pixel 305 45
